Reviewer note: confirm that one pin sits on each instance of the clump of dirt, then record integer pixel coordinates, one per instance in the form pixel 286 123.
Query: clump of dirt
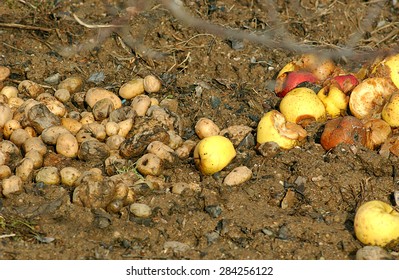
pixel 299 204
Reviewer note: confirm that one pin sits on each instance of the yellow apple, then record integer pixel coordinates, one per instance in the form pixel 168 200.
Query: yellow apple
pixel 377 223
pixel 213 153
pixel 302 105
pixel 389 67
pixel 273 127
pixel 334 99
pixel 390 112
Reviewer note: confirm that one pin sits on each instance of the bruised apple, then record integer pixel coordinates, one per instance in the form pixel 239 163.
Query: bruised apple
pixel 273 127
pixel 348 130
pixel 346 82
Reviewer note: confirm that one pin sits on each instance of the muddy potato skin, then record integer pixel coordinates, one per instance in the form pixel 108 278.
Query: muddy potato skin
pixel 346 129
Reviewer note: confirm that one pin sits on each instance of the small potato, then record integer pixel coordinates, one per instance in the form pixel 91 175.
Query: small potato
pixel 114 141
pixel 72 84
pixel 31 131
pixel 71 124
pixel 149 164
pixel 12 185
pixel 10 127
pixel 162 151
pixel 67 145
pixel 175 139
pixel 34 143
pixel 69 175
pixel 95 94
pixel 30 88
pixel 5 114
pixel 5 172
pixel 36 157
pixel 62 95
pixel 152 84
pixel 19 136
pixel 125 127
pixel 50 135
pixel 9 91
pixel 111 128
pixel 205 128
pixel 25 169
pixel 87 117
pixel 154 101
pixel 102 109
pixel 132 88
pixel 49 175
pixel 53 104
pixel 185 149
pixel 140 104
pixel 97 130
pixel 15 103
pixel 4 73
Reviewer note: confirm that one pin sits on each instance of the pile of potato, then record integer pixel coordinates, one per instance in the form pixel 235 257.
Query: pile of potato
pixel 118 134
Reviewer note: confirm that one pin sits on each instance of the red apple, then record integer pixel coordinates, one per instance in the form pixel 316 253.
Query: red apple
pixel 290 80
pixel 346 82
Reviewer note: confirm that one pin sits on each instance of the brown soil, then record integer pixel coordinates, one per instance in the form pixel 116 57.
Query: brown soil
pixel 209 77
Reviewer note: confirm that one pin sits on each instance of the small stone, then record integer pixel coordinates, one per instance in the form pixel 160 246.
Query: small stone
pixel 237 176
pixel 289 199
pixel 211 237
pixel 53 79
pixel 213 210
pixel 267 232
pixel 175 246
pixel 140 210
pixel 269 149
pixel 179 187
pixel 236 133
pixel 373 253
pixel 97 77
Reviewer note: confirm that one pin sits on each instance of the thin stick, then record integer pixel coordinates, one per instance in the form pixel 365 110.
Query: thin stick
pixel 95 25
pixel 27 27
pixel 7 235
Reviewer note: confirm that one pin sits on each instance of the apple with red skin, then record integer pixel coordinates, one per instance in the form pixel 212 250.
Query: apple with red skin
pixel 346 82
pixel 290 80
pixel 348 129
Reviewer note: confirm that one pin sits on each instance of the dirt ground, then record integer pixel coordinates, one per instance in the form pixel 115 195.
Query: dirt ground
pixel 299 204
